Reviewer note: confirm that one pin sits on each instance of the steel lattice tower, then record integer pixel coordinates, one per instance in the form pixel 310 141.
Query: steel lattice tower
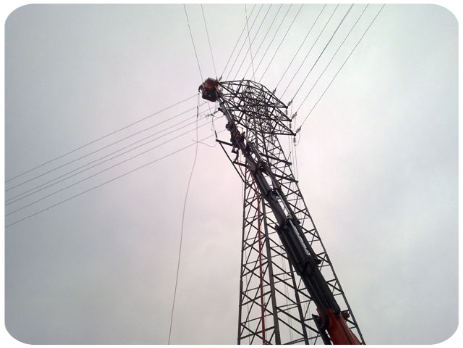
pixel 274 304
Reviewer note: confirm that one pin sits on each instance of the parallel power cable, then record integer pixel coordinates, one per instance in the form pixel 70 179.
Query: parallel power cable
pixel 300 46
pixel 236 44
pixel 209 41
pixel 106 182
pixel 183 223
pixel 282 40
pixel 310 50
pixel 265 36
pixel 244 42
pixel 100 138
pixel 99 161
pixel 249 37
pixel 99 149
pixel 334 55
pixel 193 42
pixel 344 63
pixel 323 51
pixel 274 36
pixel 250 44
pixel 100 172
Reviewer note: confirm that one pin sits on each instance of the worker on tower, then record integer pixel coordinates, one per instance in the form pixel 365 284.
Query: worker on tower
pixel 209 89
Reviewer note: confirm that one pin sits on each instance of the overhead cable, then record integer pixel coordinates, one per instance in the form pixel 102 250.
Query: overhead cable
pixel 265 36
pixel 332 58
pixel 102 171
pixel 310 50
pixel 244 42
pixel 100 138
pixel 209 41
pixel 236 44
pixel 274 36
pixel 99 149
pixel 183 223
pixel 323 51
pixel 106 182
pixel 300 46
pixel 282 40
pixel 193 42
pixel 344 63
pixel 249 38
pixel 98 161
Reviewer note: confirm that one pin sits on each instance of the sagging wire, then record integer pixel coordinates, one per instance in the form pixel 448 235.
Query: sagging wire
pixel 212 129
pixel 183 222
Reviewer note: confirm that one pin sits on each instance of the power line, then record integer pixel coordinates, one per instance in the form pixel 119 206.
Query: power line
pixel 323 51
pixel 55 181
pixel 274 36
pixel 102 171
pixel 209 41
pixel 249 39
pixel 334 55
pixel 100 138
pixel 284 37
pixel 98 150
pixel 236 44
pixel 345 61
pixel 182 224
pixel 310 50
pixel 104 183
pixel 193 42
pixel 265 36
pixel 300 46
pixel 244 42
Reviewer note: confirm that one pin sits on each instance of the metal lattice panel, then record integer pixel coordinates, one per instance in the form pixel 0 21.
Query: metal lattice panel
pixel 275 307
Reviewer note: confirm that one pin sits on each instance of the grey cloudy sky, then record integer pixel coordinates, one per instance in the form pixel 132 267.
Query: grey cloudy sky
pixel 378 167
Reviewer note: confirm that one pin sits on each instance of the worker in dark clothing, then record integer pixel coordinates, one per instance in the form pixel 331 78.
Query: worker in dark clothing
pixel 209 89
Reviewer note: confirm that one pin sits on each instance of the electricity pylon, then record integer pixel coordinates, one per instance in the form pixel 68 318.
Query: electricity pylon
pixel 289 291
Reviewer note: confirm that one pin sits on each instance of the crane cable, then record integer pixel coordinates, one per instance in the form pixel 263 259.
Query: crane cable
pixel 182 226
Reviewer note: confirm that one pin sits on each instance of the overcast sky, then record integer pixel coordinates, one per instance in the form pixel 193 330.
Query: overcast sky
pixel 378 167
